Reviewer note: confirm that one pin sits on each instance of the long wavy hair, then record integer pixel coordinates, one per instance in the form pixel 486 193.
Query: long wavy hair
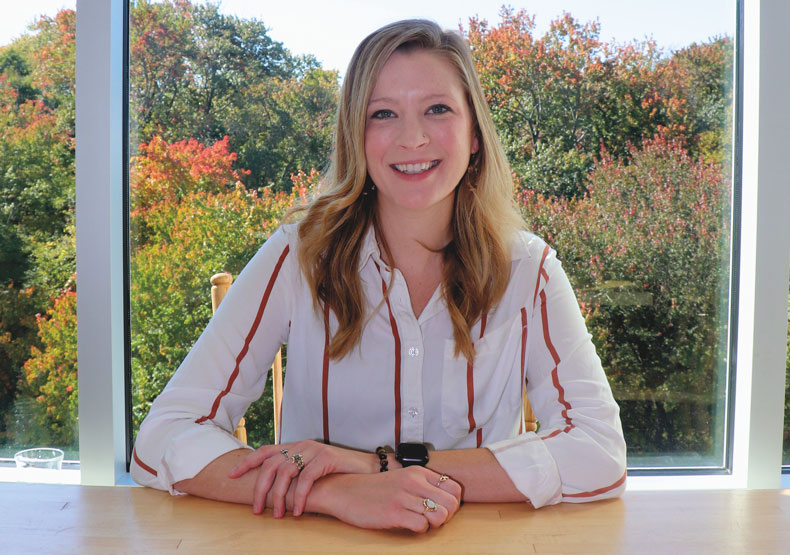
pixel 331 232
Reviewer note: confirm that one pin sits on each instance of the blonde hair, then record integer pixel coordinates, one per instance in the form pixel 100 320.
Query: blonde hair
pixel 477 259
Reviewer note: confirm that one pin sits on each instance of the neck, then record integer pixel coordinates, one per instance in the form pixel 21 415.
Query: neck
pixel 412 238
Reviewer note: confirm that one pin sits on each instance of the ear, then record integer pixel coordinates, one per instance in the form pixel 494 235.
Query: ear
pixel 475 144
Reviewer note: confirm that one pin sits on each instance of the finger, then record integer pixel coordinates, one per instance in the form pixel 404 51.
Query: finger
pixel 253 460
pixel 446 500
pixel 262 486
pixel 304 484
pixel 280 487
pixel 435 517
pixel 414 521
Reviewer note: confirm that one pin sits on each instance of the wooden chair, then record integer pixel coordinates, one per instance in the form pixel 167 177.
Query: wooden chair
pixel 220 283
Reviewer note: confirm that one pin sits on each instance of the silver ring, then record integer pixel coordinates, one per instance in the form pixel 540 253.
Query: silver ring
pixel 442 478
pixel 298 461
pixel 285 453
pixel 429 505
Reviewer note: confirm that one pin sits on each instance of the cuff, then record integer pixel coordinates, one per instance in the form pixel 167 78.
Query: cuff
pixel 531 467
pixel 191 451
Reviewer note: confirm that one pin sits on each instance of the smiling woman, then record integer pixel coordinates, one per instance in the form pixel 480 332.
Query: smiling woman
pixel 417 314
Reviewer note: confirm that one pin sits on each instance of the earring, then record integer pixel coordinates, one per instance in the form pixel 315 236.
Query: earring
pixel 472 169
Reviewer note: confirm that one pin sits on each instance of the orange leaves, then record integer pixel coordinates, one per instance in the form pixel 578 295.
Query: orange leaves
pixel 50 374
pixel 168 172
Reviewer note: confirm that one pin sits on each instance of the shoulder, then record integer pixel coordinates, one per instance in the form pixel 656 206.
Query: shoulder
pixel 284 238
pixel 526 246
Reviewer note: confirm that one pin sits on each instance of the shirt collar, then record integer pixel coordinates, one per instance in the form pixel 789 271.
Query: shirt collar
pixel 370 250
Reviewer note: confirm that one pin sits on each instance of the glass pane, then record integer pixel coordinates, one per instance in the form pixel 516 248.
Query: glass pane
pixel 38 332
pixel 623 153
pixel 621 148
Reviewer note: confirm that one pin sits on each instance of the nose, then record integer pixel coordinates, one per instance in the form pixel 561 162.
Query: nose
pixel 412 133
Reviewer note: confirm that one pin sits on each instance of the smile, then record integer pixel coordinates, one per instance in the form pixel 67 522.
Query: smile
pixel 412 169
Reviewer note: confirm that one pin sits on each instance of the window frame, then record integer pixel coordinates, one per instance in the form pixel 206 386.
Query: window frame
pixel 762 277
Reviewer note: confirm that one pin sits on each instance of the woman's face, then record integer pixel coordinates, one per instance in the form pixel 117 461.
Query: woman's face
pixel 418 134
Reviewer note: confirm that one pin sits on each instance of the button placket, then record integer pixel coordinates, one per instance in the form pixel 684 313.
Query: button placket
pixel 412 423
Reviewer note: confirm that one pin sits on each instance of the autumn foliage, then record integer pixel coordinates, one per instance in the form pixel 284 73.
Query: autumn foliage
pixel 621 155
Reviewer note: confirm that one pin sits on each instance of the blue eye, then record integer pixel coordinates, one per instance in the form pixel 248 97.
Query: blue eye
pixel 439 109
pixel 383 114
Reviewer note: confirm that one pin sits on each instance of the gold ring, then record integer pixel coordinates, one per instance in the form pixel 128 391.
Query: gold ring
pixel 430 505
pixel 298 461
pixel 442 478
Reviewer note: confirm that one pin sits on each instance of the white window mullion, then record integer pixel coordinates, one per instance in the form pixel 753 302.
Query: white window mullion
pixel 765 246
pixel 99 168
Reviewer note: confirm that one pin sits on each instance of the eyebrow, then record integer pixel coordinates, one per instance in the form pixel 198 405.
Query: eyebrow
pixel 428 97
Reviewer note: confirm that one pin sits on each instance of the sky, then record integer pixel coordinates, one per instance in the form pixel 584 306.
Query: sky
pixel 331 29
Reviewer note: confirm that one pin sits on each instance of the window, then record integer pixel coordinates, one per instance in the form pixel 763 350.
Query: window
pixel 746 467
pixel 38 335
pixel 630 134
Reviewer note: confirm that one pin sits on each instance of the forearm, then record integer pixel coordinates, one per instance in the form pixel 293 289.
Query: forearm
pixel 213 483
pixel 483 479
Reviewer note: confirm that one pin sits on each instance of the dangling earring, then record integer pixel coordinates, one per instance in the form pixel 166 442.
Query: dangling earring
pixel 371 188
pixel 472 170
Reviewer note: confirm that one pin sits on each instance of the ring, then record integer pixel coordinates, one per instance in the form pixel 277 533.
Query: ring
pixel 430 505
pixel 298 461
pixel 442 478
pixel 285 453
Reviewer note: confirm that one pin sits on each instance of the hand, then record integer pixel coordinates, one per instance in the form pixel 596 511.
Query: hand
pixel 278 469
pixel 387 500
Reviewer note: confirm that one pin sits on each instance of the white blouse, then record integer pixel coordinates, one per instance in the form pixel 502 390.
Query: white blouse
pixel 403 383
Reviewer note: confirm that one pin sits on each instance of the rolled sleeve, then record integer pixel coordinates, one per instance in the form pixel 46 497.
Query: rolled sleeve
pixel 191 451
pixel 531 468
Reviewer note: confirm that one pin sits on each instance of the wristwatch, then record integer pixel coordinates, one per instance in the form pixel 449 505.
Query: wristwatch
pixel 409 454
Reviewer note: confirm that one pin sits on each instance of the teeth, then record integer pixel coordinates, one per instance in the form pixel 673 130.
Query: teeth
pixel 415 168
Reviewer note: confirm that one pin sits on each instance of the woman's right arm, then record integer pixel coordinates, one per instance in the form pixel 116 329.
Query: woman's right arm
pixel 380 500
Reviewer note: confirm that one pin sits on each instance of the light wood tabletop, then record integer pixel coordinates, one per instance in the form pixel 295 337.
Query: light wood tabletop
pixel 106 520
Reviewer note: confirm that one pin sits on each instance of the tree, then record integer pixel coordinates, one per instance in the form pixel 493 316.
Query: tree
pixel 50 374
pixel 559 98
pixel 196 73
pixel 646 250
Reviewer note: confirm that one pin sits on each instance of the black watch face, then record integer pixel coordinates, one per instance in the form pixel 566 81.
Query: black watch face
pixel 412 453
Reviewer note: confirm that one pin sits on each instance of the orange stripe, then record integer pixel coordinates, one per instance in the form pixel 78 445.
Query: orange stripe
pixel 470 387
pixel 247 341
pixel 617 484
pixel 541 272
pixel 141 464
pixel 396 381
pixel 555 379
pixel 325 375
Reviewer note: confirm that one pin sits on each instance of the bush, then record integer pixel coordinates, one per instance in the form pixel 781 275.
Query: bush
pixel 645 250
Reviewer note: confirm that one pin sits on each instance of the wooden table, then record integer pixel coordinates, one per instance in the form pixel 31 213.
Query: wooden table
pixel 79 519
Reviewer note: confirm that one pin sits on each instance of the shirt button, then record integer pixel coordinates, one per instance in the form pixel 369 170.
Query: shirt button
pixel 413 351
pixel 413 412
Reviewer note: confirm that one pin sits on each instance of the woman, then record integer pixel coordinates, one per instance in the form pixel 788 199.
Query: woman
pixel 415 311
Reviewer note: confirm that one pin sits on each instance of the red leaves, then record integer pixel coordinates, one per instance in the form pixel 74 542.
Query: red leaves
pixel 168 172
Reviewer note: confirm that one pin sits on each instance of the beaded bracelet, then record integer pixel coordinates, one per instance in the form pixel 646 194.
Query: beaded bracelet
pixel 382 453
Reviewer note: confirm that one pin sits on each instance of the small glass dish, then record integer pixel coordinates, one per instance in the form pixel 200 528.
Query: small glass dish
pixel 43 458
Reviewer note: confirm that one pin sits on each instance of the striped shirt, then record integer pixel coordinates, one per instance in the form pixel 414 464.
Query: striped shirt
pixel 403 383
